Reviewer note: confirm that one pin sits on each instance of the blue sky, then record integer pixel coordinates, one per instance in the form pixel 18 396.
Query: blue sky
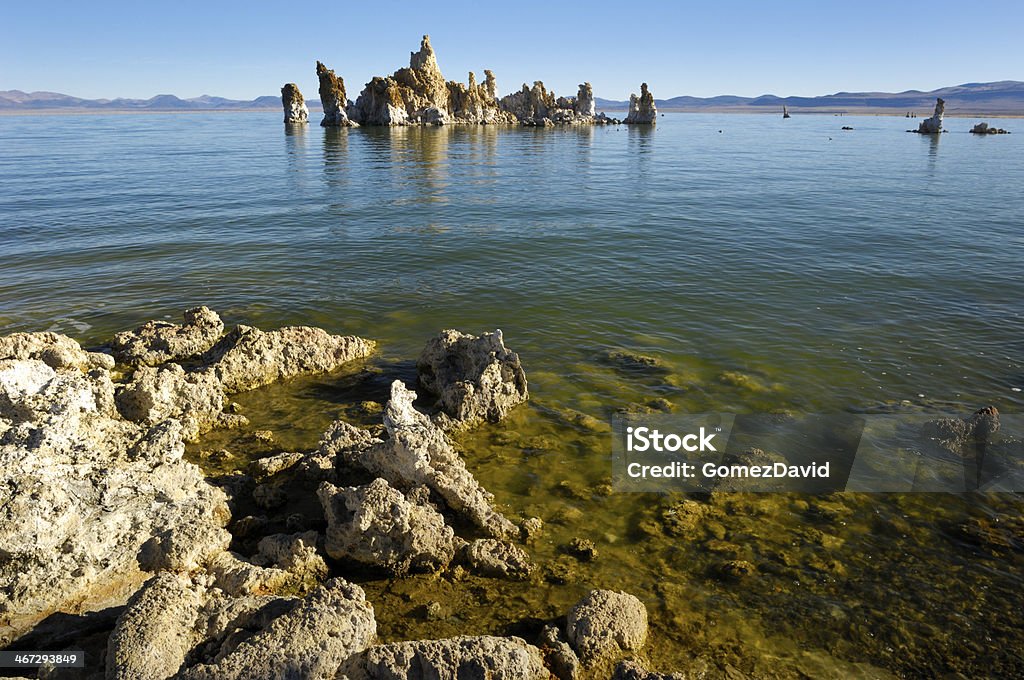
pixel 245 49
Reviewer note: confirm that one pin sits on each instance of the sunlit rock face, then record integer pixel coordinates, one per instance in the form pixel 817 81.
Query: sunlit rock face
pixel 295 110
pixel 933 125
pixel 332 97
pixel 642 110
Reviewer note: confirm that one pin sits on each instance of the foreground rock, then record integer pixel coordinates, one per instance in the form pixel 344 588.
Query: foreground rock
pixel 181 627
pixel 53 349
pixel 420 95
pixel 332 98
pixel 158 342
pixel 642 110
pixel 81 489
pixel 157 394
pixel 933 125
pixel 376 525
pixel 417 453
pixel 247 358
pixel 984 129
pixel 605 624
pixel 295 110
pixel 475 379
pixel 488 657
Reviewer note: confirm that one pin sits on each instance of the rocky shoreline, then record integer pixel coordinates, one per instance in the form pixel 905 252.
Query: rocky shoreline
pixel 420 95
pixel 102 517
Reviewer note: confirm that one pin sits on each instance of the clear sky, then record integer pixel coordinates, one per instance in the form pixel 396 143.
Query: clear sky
pixel 245 49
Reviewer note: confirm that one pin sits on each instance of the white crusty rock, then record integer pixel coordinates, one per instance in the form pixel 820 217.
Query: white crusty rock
pixel 311 641
pixel 247 358
pixel 642 109
pixel 933 125
pixel 156 394
pixel 418 453
pixel 81 490
pixel 53 349
pixel 494 658
pixel 584 104
pixel 295 110
pixel 475 379
pixel 604 624
pixel 158 342
pixel 284 562
pixel 376 525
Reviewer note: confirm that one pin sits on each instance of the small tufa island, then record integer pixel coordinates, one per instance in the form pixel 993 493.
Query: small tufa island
pixel 420 95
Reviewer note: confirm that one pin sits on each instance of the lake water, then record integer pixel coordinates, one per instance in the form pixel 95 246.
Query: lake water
pixel 769 264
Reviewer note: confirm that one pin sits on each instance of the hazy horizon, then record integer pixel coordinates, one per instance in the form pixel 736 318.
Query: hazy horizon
pixel 242 51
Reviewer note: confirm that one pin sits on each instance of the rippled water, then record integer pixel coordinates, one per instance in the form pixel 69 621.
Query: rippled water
pixel 771 265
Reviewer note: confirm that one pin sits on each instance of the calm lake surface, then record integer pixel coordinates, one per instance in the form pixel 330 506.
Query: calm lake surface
pixel 769 264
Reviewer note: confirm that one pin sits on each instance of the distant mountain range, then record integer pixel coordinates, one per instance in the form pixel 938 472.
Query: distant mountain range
pixel 1005 97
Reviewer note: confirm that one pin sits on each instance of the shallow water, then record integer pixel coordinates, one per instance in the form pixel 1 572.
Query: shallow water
pixel 769 265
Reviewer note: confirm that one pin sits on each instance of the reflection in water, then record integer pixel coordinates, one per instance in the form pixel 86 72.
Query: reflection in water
pixel 295 140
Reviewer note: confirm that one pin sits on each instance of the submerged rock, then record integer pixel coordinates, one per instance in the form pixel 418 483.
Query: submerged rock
pixel 933 125
pixel 332 98
pixel 158 342
pixel 642 109
pixel 605 624
pixel 418 453
pixel 494 658
pixel 631 669
pixel 499 559
pixel 963 436
pixel 376 525
pixel 475 379
pixel 247 358
pixel 295 110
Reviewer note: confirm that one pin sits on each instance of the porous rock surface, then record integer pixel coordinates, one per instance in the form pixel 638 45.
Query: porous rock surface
pixel 417 453
pixel 54 350
pixel 332 98
pixel 604 624
pixel 81 489
pixel 493 658
pixel 377 525
pixel 475 379
pixel 157 342
pixel 295 109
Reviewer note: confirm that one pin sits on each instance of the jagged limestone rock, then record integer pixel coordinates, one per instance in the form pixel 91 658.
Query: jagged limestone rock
pixel 295 111
pixel 377 525
pixel 332 98
pixel 247 358
pixel 485 656
pixel 156 394
pixel 55 350
pixel 584 104
pixel 642 109
pixel 158 342
pixel 475 379
pixel 418 453
pixel 499 559
pixel 933 125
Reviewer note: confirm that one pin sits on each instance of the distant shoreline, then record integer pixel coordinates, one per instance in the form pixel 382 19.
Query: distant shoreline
pixel 723 110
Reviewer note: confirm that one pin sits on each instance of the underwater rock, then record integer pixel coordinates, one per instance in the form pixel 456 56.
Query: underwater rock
pixel 630 669
pixel 156 394
pixel 494 658
pixel 984 129
pixel 606 623
pixel 642 110
pixel 247 358
pixel 475 379
pixel 377 526
pixel 933 125
pixel 295 111
pixel 53 349
pixel 332 98
pixel 582 549
pixel 418 453
pixel 963 436
pixel 735 570
pixel 158 342
pixel 311 641
pixel 498 559
pixel 81 490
